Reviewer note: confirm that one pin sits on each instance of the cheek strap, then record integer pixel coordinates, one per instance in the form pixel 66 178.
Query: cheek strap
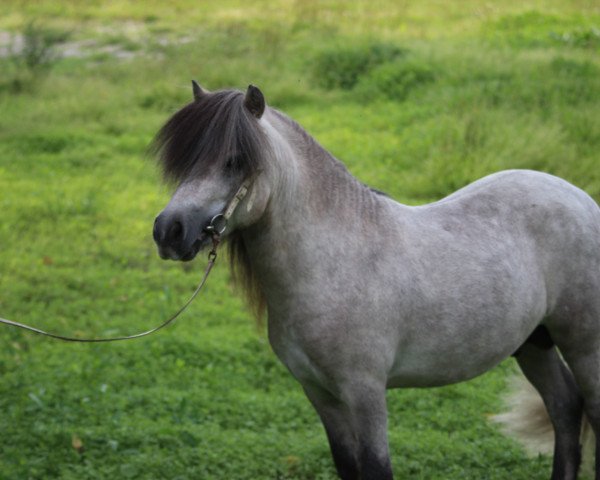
pixel 218 223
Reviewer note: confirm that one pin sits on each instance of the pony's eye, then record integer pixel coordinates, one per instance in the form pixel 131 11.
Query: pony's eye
pixel 233 163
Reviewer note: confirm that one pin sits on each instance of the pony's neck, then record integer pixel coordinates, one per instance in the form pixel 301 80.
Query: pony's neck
pixel 317 214
pixel 310 179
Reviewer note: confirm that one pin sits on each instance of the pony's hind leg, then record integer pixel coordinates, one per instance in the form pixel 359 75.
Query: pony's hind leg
pixel 356 427
pixel 585 364
pixel 576 330
pixel 545 370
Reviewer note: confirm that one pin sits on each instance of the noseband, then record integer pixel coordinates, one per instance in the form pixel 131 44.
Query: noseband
pixel 215 229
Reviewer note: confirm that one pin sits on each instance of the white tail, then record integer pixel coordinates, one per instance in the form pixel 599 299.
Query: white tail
pixel 527 421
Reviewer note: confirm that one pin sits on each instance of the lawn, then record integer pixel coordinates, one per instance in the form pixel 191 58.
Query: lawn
pixel 418 98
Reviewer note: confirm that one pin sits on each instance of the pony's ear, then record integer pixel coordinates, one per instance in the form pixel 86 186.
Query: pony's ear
pixel 254 101
pixel 199 92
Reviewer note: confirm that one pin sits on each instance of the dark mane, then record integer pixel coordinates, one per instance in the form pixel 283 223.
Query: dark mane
pixel 213 130
pixel 244 275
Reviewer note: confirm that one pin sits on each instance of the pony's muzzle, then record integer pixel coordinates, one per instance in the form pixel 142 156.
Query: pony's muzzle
pixel 179 237
pixel 169 233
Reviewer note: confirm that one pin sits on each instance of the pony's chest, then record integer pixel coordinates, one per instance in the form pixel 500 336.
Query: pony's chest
pixel 291 352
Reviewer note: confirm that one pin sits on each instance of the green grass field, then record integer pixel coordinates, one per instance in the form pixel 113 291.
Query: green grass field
pixel 418 98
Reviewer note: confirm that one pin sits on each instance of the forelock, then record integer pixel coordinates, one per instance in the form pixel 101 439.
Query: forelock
pixel 209 132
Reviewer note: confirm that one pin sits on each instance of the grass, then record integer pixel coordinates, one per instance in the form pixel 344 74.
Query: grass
pixel 446 95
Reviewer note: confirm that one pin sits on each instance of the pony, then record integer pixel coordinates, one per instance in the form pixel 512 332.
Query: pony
pixel 363 293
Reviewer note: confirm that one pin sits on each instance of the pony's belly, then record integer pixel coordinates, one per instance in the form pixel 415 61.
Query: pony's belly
pixel 429 362
pixel 438 373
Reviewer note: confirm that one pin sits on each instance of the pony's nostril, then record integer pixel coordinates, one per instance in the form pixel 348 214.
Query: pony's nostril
pixel 168 231
pixel 175 232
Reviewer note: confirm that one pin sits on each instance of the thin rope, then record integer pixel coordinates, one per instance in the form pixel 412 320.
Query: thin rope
pixel 212 257
pixel 215 232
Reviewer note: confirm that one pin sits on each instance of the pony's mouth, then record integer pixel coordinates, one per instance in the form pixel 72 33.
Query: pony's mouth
pixel 201 242
pixel 170 253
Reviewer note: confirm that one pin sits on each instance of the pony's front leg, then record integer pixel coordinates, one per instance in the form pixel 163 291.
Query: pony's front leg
pixel 356 425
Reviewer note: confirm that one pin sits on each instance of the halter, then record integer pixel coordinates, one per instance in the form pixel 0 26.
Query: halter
pixel 218 224
pixel 215 229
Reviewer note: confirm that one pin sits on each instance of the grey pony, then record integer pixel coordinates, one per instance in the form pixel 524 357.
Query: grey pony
pixel 364 293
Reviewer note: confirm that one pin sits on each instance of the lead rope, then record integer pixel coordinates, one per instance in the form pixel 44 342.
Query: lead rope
pixel 212 257
pixel 217 226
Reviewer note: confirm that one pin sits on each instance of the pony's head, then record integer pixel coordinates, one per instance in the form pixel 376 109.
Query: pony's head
pixel 208 149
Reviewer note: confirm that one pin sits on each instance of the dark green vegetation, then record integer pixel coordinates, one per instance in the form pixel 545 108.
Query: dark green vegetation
pixel 418 98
